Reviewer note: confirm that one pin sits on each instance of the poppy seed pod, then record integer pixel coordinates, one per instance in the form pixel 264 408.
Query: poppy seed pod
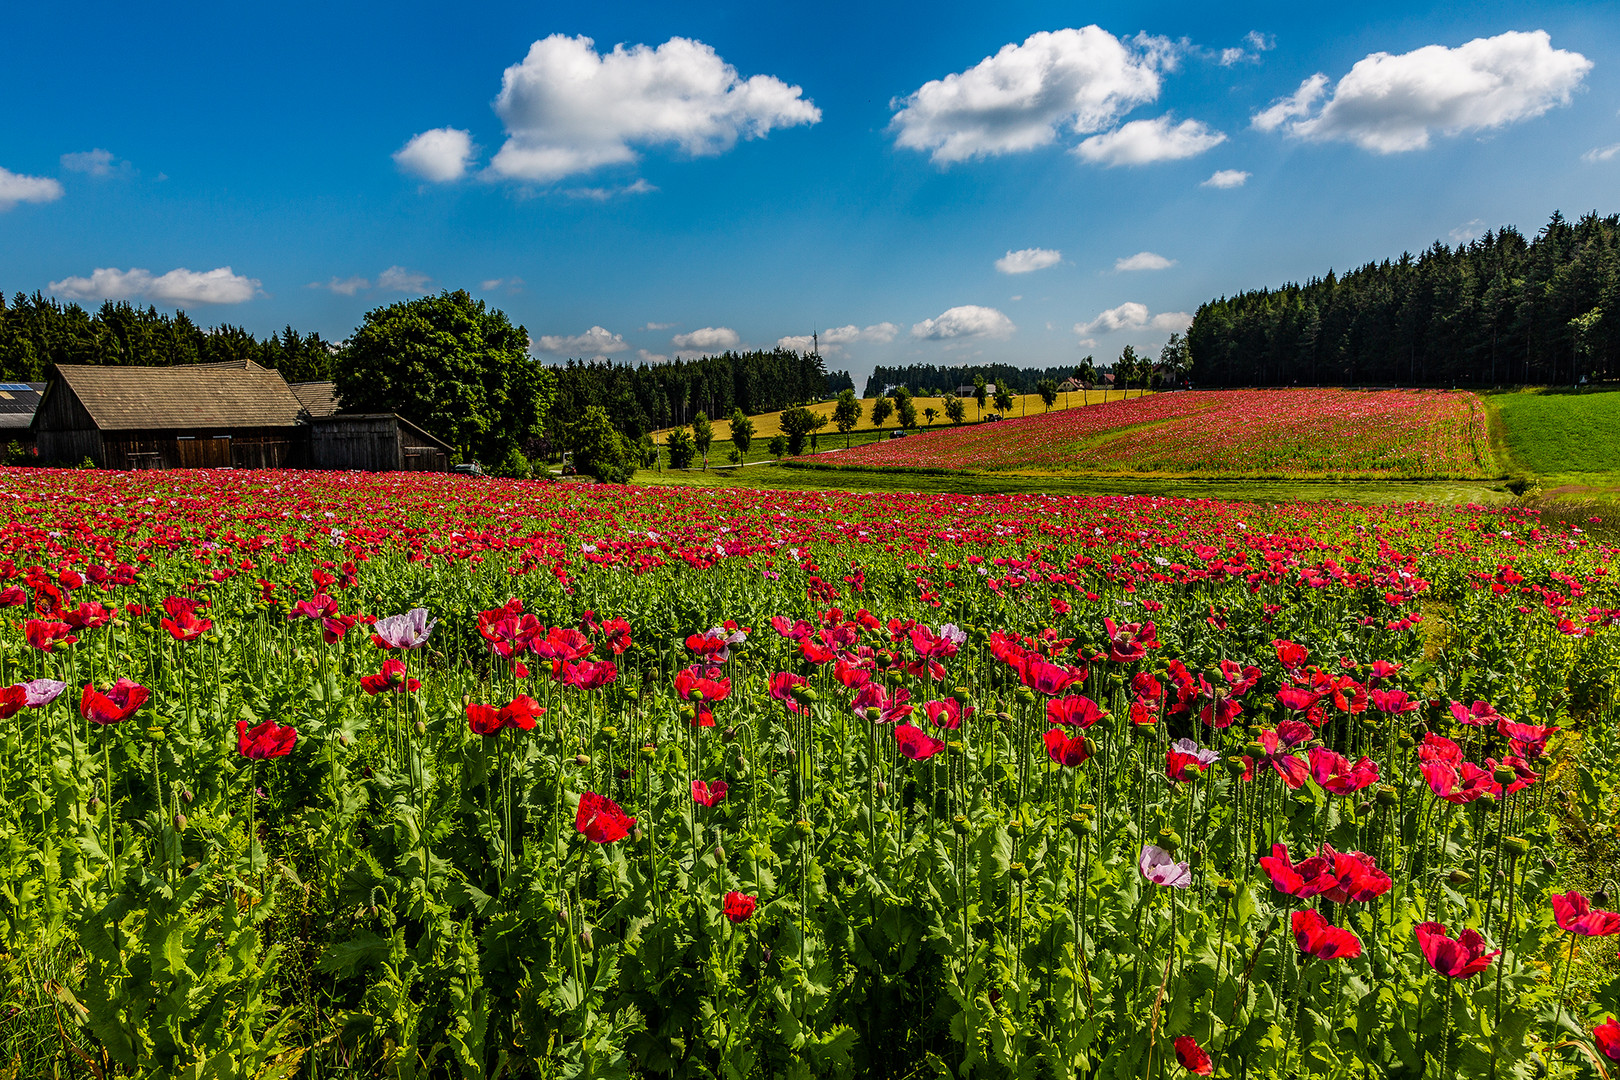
pixel 959 825
pixel 1515 845
pixel 649 751
pixel 802 827
pixel 1234 765
pixel 960 693
pixel 1504 774
pixel 1015 826
pixel 697 695
pixel 1225 889
pixel 1077 824
pixel 1170 840
pixel 1254 749
pixel 874 714
pixel 1025 695
pixel 1386 796
pixel 687 712
pixel 609 733
pixel 1018 871
pixel 1405 739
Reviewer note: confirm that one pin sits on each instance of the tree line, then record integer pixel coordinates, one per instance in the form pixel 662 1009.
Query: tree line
pixel 932 380
pixel 37 332
pixel 648 397
pixel 1498 310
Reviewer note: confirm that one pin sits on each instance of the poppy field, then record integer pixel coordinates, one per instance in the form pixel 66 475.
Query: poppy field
pixel 421 776
pixel 1321 432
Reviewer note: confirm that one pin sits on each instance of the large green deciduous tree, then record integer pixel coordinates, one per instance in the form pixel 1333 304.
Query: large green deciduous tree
pixel 452 366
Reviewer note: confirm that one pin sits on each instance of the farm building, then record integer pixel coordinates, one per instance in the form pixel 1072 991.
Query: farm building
pixel 374 442
pixel 18 403
pixel 968 390
pixel 185 417
pixel 231 415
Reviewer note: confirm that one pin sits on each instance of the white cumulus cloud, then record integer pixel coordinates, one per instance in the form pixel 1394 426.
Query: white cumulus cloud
pixel 1143 260
pixel 16 188
pixel 398 279
pixel 1143 142
pixel 647 357
pixel 967 321
pixel 1393 103
pixel 1132 316
pixel 569 109
pixel 1254 43
pixel 1226 178
pixel 1601 153
pixel 596 341
pixel 342 286
pixel 1019 99
pixel 708 337
pixel 97 163
pixel 440 155
pixel 1027 260
pixel 180 286
pixel 833 339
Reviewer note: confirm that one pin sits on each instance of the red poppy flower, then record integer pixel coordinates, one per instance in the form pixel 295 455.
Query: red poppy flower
pixel 521 713
pixel 586 674
pixel 561 643
pixel 1607 1038
pixel 1393 702
pixel 116 705
pixel 1529 739
pixel 12 700
pixel 851 676
pixel 1065 749
pixel 186 626
pixel 890 707
pixel 1129 642
pixel 705 794
pixel 45 635
pixel 391 677
pixel 1176 763
pixel 318 607
pixel 738 907
pixel 1574 913
pixel 483 719
pixel 1461 958
pixel 689 683
pixel 616 636
pixel 782 684
pixel 1289 655
pixel 1479 714
pixel 1193 1057
pixel 1221 712
pixel 1311 877
pixel 1316 937
pixel 947 714
pixel 267 739
pixel 1074 711
pixel 1297 699
pixel 915 743
pixel 1046 678
pixel 601 820
pixel 1290 767
pixel 1240 679
pixel 1338 774
pixel 1358 877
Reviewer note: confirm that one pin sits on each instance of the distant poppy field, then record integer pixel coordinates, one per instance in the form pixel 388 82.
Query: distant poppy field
pixel 423 776
pixel 1286 433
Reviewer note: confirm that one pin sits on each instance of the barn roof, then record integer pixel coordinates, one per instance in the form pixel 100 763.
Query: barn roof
pixel 18 401
pixel 235 394
pixel 318 398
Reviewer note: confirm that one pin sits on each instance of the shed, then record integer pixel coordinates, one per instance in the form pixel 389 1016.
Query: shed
pixel 374 442
pixel 968 390
pixel 188 416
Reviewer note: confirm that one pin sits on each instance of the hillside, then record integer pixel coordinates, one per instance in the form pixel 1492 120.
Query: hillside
pixel 768 424
pixel 1226 433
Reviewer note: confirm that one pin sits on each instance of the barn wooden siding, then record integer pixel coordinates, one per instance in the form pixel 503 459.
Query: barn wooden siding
pixel 374 442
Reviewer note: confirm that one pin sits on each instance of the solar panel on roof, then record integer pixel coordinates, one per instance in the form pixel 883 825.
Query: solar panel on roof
pixel 24 387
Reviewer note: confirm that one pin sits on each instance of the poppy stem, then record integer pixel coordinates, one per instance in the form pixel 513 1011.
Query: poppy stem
pixel 1569 964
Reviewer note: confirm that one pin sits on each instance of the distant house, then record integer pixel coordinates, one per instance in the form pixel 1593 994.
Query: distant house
pixel 18 403
pixel 183 417
pixel 969 390
pixel 231 415
pixel 1071 386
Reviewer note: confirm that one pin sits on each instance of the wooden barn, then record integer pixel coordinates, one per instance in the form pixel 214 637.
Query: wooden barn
pixel 374 442
pixel 184 417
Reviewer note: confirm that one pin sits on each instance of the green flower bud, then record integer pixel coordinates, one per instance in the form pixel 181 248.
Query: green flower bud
pixel 581 760
pixel 1459 877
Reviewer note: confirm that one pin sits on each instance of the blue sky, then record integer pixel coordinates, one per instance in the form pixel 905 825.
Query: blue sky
pixel 739 174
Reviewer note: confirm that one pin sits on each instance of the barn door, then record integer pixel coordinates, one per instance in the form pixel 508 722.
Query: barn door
pixel 205 453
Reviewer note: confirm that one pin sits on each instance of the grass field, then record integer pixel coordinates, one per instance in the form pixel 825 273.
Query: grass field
pixel 768 424
pixel 1561 434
